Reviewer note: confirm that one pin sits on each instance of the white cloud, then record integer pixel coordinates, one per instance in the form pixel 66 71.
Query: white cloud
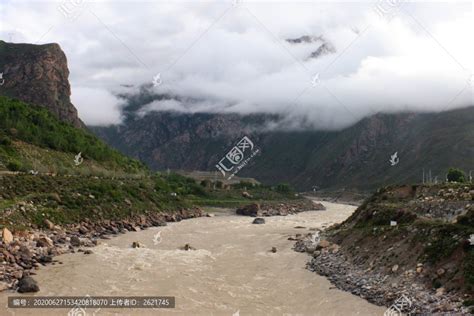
pixel 98 106
pixel 242 63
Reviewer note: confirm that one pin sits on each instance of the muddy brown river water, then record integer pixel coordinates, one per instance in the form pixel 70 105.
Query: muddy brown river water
pixel 232 272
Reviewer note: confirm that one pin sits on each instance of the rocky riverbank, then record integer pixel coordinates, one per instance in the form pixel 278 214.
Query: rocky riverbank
pixel 24 252
pixel 382 289
pixel 410 240
pixel 281 209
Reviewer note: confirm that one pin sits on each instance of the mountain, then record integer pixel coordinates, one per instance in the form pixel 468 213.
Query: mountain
pixel 325 46
pixel 355 157
pixel 38 74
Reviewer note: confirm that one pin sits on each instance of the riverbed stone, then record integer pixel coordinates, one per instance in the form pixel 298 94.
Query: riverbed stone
pixel 49 224
pixel 27 285
pixel 249 210
pixel 7 236
pixel 323 244
pixel 75 241
pixel 44 242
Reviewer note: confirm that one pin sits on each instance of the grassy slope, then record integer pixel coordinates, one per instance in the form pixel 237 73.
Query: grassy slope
pixel 436 242
pixel 26 200
pixel 107 185
pixel 32 138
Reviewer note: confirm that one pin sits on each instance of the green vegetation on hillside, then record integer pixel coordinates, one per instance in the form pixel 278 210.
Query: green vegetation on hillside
pixel 28 200
pixel 21 122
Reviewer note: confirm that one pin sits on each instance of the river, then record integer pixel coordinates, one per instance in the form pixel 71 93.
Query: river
pixel 231 272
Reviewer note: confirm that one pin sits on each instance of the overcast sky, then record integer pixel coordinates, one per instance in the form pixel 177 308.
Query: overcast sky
pixel 232 56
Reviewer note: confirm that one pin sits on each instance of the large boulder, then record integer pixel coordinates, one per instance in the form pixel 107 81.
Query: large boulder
pixel 27 284
pixel 7 236
pixel 258 220
pixel 250 210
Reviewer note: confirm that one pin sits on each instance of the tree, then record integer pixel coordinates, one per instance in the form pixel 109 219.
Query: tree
pixel 283 188
pixel 456 175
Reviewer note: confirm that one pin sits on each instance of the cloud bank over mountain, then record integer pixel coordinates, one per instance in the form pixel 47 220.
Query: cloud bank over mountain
pixel 235 57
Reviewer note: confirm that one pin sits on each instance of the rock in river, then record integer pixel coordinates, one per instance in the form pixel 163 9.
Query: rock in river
pixel 258 220
pixel 27 284
pixel 187 247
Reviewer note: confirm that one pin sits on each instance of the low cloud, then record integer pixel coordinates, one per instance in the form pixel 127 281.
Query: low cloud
pixel 215 57
pixel 98 106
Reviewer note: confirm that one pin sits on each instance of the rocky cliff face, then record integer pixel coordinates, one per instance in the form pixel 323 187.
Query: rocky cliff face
pixel 38 74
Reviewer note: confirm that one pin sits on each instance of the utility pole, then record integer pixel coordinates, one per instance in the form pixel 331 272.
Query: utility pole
pixel 423 175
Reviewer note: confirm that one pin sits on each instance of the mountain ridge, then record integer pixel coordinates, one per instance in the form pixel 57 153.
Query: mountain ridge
pixel 354 157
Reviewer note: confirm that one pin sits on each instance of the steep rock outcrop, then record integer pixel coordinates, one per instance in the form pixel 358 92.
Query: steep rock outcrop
pixel 38 74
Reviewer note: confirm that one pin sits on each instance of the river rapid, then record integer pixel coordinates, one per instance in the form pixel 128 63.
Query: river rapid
pixel 231 272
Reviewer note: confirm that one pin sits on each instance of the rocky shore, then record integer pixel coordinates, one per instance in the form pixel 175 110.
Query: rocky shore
pixel 281 209
pixel 382 289
pixel 24 252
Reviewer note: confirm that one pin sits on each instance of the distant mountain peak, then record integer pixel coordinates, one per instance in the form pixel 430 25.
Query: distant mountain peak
pixel 325 47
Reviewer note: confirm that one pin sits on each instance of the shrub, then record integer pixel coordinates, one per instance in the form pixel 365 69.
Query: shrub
pixel 456 175
pixel 283 188
pixel 14 165
pixel 206 183
pixel 5 140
